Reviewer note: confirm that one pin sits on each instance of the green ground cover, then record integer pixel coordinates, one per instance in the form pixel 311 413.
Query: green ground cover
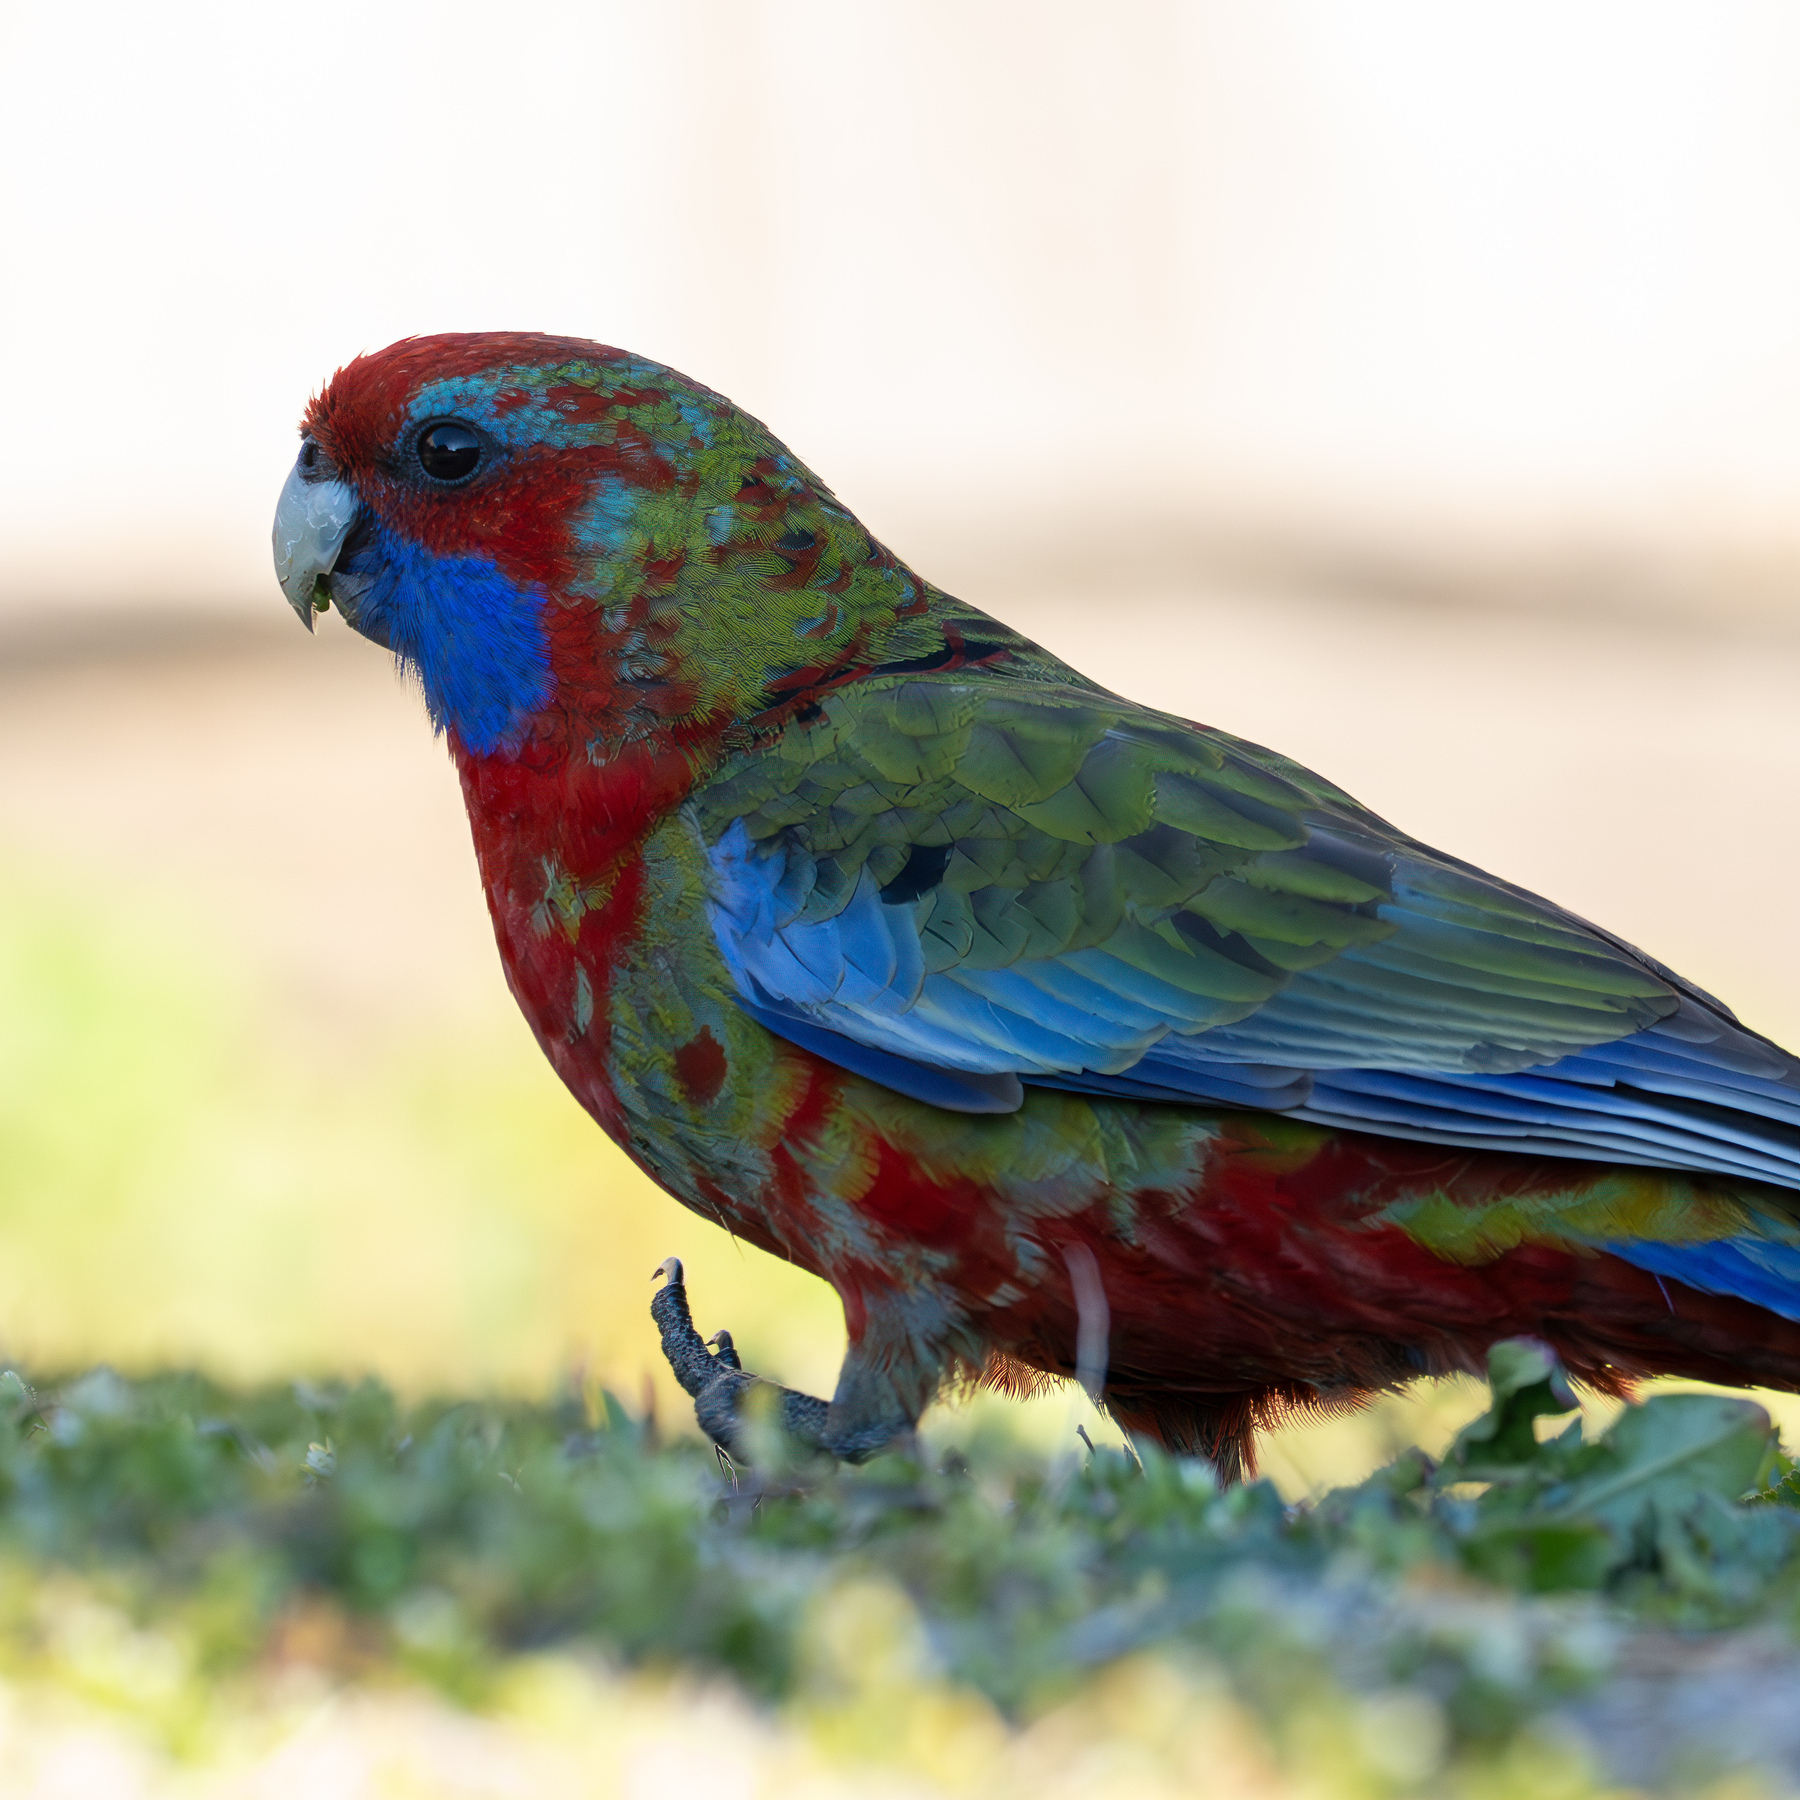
pixel 1449 1627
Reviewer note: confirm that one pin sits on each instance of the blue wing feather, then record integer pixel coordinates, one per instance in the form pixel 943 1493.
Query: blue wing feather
pixel 1760 1270
pixel 1412 1037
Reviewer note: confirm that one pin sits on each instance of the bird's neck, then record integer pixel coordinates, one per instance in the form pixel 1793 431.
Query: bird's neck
pixel 553 820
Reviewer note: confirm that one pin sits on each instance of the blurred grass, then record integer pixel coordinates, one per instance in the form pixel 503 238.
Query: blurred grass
pixel 193 1573
pixel 179 1183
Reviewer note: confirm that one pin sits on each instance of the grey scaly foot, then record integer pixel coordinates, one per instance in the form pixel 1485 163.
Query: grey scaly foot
pixel 721 1385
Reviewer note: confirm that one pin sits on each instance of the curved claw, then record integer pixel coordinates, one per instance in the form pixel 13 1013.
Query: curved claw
pixel 694 1365
pixel 668 1269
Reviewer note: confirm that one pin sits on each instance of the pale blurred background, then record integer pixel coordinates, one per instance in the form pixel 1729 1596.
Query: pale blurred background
pixel 1414 387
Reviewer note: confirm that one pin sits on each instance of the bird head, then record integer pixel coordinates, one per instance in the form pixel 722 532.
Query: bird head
pixel 562 539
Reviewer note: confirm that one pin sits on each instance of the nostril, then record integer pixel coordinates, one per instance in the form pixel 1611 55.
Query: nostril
pixel 309 454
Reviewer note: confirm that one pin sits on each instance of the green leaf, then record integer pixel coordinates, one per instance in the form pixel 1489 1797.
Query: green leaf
pixel 1667 1453
pixel 1527 1383
pixel 1542 1557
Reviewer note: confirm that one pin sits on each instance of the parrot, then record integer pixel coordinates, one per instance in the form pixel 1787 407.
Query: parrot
pixel 1063 1037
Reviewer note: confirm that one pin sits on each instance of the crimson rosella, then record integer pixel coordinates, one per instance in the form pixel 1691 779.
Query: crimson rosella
pixel 1058 1034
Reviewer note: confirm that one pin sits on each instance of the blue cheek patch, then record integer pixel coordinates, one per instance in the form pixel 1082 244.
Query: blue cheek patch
pixel 475 639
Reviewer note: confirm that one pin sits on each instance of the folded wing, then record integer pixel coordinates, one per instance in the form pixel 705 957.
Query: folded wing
pixel 960 886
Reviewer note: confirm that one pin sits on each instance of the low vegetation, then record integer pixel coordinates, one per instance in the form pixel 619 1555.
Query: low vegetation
pixel 1539 1594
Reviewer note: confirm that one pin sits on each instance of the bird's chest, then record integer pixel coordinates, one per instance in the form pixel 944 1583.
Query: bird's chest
pixel 608 948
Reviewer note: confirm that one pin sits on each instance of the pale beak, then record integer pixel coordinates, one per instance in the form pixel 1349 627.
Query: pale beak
pixel 312 519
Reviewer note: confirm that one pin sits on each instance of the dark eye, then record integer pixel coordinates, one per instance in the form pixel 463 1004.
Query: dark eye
pixel 449 452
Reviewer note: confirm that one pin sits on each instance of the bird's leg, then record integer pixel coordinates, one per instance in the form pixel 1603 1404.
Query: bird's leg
pixel 737 1409
pixel 722 1388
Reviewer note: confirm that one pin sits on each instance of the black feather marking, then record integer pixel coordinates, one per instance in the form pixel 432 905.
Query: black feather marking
pixel 973 650
pixel 923 870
